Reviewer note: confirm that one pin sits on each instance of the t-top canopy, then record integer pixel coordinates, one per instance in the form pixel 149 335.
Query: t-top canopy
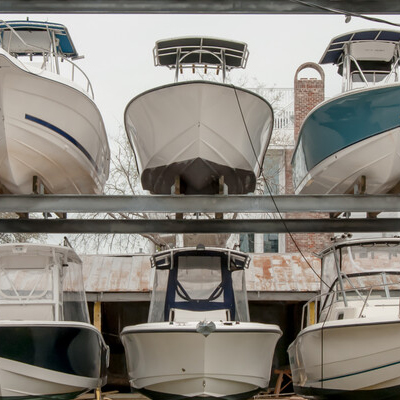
pixel 334 51
pixel 200 51
pixel 18 252
pixel 235 259
pixel 65 45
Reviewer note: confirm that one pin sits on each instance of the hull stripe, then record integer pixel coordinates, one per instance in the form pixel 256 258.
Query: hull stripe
pixel 360 372
pixel 65 135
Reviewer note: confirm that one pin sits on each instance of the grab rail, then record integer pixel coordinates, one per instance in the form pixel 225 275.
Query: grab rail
pixel 45 54
pixel 311 312
pixel 392 72
pixel 89 87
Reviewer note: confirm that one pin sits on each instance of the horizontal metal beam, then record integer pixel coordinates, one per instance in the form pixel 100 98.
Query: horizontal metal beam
pixel 253 296
pixel 115 297
pixel 264 295
pixel 201 203
pixel 199 226
pixel 198 6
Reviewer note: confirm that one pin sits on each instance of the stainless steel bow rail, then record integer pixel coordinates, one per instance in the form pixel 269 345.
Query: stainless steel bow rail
pixel 36 213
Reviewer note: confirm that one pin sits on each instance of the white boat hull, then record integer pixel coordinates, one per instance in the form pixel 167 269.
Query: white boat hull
pixel 50 360
pixel 49 129
pixel 351 359
pixel 20 379
pixel 173 360
pixel 347 137
pixel 199 131
pixel 377 158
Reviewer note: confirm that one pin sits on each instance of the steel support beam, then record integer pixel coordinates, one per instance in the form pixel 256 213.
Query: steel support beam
pixel 253 296
pixel 199 6
pixel 199 226
pixel 194 204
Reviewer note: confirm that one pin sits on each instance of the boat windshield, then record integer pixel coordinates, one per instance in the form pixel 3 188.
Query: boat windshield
pixel 361 265
pixel 199 279
pixel 200 282
pixel 43 45
pixel 380 284
pixel 39 283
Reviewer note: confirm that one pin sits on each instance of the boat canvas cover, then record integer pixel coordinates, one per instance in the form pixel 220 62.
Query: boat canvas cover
pixel 200 50
pixel 65 45
pixel 335 49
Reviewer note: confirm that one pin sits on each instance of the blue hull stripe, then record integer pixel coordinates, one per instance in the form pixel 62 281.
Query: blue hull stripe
pixel 360 372
pixel 65 135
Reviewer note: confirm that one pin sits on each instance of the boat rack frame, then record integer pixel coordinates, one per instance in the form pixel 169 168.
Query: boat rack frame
pixel 192 208
pixel 198 7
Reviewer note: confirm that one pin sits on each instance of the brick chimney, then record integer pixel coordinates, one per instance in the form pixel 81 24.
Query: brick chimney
pixel 308 93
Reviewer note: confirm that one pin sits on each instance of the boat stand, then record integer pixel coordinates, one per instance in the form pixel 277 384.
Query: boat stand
pixel 222 189
pixel 358 187
pixel 39 188
pixel 4 190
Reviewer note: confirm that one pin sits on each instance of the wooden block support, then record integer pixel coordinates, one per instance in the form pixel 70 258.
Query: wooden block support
pixel 221 182
pixel 97 315
pixel 177 190
pixel 38 187
pixel 358 187
pixel 282 372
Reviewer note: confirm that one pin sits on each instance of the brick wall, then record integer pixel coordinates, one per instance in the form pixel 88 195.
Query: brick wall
pixel 308 92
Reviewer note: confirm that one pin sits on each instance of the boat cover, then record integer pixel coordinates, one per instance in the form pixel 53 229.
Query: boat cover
pixel 336 47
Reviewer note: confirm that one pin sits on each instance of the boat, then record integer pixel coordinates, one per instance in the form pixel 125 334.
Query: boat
pixel 48 350
pixel 348 346
pixel 52 134
pixel 198 342
pixel 199 136
pixel 350 143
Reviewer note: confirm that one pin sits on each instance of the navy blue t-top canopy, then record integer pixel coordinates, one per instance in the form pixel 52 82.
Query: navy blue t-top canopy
pixel 200 50
pixel 335 49
pixel 65 47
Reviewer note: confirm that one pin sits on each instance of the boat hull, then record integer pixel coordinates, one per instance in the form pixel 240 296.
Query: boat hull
pixel 50 360
pixel 50 129
pixel 360 360
pixel 199 131
pixel 353 135
pixel 174 361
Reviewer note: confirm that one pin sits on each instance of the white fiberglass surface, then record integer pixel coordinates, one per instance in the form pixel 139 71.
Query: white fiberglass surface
pixel 372 51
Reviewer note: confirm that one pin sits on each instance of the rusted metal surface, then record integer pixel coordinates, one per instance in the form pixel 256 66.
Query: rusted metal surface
pixel 267 273
pixel 116 273
pixel 283 272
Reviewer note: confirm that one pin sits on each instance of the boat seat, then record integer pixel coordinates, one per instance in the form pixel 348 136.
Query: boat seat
pixel 31 312
pixel 180 315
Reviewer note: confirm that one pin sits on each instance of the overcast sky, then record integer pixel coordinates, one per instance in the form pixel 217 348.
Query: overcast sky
pixel 118 49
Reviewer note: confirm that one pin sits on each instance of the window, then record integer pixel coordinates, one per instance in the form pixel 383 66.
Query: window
pixel 271 243
pixel 247 242
pixel 273 167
